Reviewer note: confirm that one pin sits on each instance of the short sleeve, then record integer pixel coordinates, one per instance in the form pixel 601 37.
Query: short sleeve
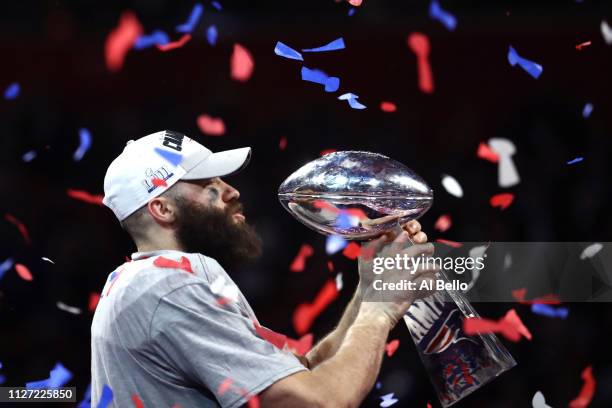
pixel 214 346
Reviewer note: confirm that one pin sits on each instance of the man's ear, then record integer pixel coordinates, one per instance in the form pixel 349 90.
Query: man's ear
pixel 162 210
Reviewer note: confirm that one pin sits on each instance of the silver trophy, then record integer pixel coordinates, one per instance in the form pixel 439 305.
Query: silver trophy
pixel 359 195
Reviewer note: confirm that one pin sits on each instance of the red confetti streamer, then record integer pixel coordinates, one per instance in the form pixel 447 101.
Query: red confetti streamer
pixel 137 401
pixel 23 272
pixel 85 196
pixel 485 152
pixel 428 405
pixel 330 266
pixel 224 386
pixel 355 3
pixel 519 295
pixel 282 143
pixel 94 298
pixel 419 44
pixel 301 346
pixel 253 401
pixel 510 326
pixel 277 339
pixel 391 347
pixel 20 226
pixel 299 262
pixel 449 243
pixel 242 64
pixel 159 182
pixel 443 223
pixel 184 263
pixel 388 107
pixel 305 314
pixel 327 151
pixel 121 40
pixel 580 46
pixel 352 250
pixel 211 126
pixel 502 200
pixel 174 45
pixel 588 390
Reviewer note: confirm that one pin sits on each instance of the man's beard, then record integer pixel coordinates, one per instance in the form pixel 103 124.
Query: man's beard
pixel 215 233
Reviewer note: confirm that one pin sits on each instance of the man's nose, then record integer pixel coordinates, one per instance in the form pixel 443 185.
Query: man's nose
pixel 229 193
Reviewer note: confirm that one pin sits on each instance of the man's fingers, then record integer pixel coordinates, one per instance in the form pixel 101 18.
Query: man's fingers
pixel 412 227
pixel 419 238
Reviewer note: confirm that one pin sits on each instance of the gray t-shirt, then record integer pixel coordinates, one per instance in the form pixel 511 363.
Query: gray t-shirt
pixel 173 329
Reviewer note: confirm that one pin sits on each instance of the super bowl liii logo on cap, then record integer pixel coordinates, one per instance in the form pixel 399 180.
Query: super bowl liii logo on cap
pixel 173 140
pixel 160 174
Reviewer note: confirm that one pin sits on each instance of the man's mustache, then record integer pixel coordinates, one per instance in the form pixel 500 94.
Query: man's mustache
pixel 234 207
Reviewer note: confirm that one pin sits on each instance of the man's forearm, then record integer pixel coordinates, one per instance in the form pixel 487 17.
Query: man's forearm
pixel 327 347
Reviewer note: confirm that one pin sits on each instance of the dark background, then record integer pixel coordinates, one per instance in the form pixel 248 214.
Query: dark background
pixel 55 50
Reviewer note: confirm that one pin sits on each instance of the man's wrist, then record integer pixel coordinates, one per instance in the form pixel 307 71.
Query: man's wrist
pixel 372 313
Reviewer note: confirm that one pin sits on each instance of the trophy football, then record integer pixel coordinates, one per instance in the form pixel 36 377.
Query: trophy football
pixel 358 196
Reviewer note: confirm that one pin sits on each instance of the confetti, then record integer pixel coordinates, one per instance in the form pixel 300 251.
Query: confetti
pixel 225 386
pixel 183 264
pixel 519 295
pixel 173 158
pixel 391 347
pixel 606 32
pixel 192 21
pixel 299 262
pixel 23 230
pixel 388 400
pixel 437 13
pixel 334 243
pixel 449 243
pixel 211 35
pixel 282 143
pixel 388 107
pixel 588 390
pixel 94 299
pixel 106 398
pixel 121 39
pixel 326 151
pixel 211 126
pixel 507 175
pixel 241 64
pixel 443 223
pixel 12 91
pixel 174 45
pixel 85 144
pixel 452 186
pixel 137 401
pixel 305 313
pixel 157 37
pixel 510 326
pixel 227 290
pixel 352 250
pixel 355 3
pixel 301 346
pixel 549 311
pixel 591 250
pixel 86 402
pixel 502 200
pixel 85 196
pixel 586 111
pixel 576 160
pixel 351 11
pixel 352 100
pixel 159 182
pixel 538 401
pixel 337 44
pixel 283 50
pixel 319 77
pixel 23 272
pixel 217 5
pixel 5 266
pixel 29 156
pixel 580 46
pixel 485 152
pixel 532 68
pixel 58 377
pixel 330 266
pixel 339 282
pixel 419 44
pixel 69 309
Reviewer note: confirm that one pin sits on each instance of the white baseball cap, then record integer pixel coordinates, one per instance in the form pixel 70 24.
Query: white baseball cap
pixel 152 164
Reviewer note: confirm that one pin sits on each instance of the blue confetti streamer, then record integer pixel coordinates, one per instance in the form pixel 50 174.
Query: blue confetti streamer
pixel 317 76
pixel 211 35
pixel 106 398
pixel 549 311
pixel 5 266
pixel 86 402
pixel 334 243
pixel 85 138
pixel 532 68
pixel 2 379
pixel 12 91
pixel 351 11
pixel 216 5
pixel 29 156
pixel 174 158
pixel 58 377
pixel 437 13
pixel 388 400
pixel 335 45
pixel 192 21
pixel 352 100
pixel 283 50
pixel 157 37
pixel 586 111
pixel 576 160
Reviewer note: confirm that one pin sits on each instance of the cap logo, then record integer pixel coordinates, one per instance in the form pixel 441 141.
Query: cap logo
pixel 173 140
pixel 162 174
